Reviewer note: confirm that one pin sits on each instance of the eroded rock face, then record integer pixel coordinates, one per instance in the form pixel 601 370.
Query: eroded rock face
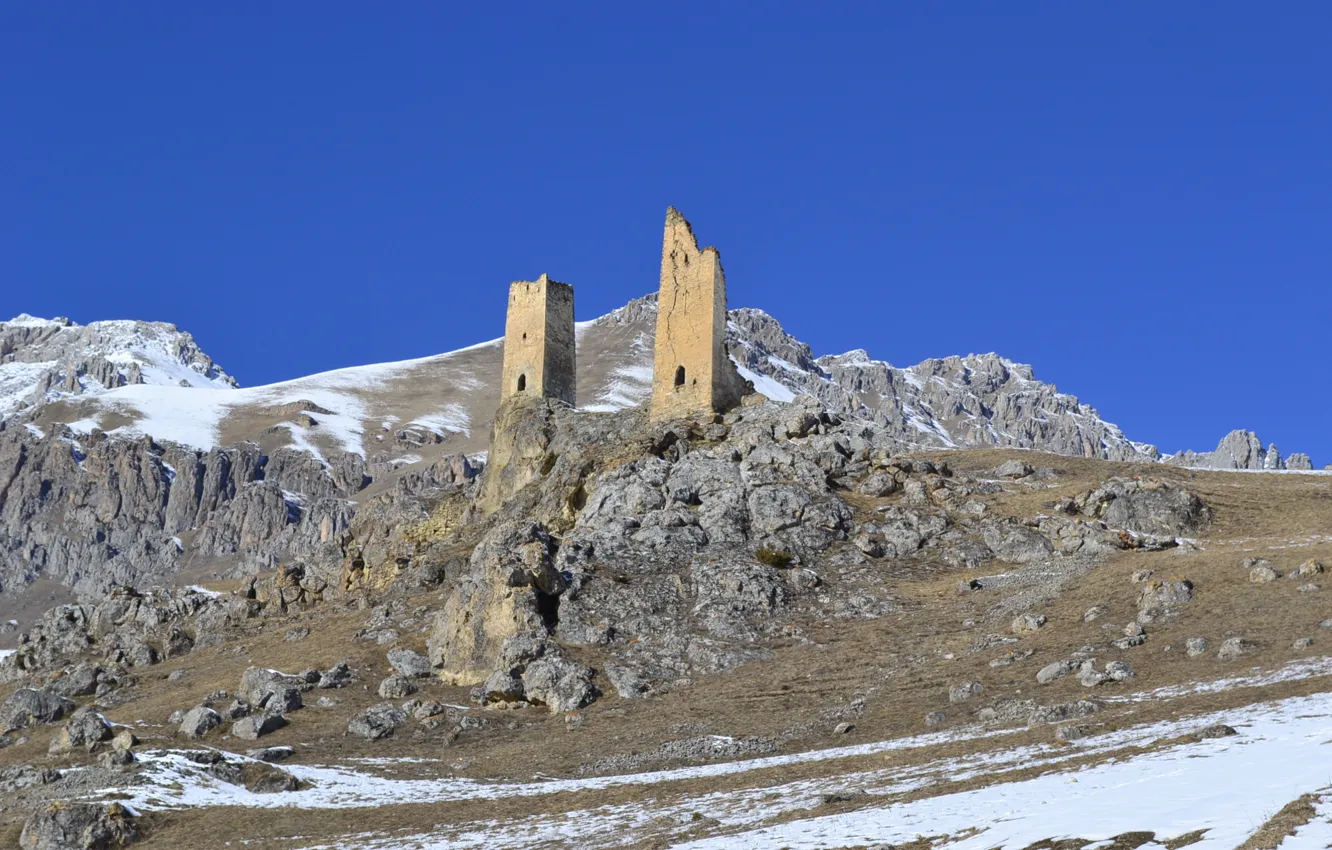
pixel 511 588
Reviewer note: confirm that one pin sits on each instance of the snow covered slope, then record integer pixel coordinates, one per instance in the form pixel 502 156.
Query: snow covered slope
pixel 135 378
pixel 416 410
pixel 44 360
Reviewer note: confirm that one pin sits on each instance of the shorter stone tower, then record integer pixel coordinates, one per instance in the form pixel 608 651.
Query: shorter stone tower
pixel 539 342
pixel 692 372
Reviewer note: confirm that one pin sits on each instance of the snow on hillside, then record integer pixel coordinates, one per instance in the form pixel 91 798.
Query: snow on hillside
pixel 1154 777
pixel 48 359
pixel 194 417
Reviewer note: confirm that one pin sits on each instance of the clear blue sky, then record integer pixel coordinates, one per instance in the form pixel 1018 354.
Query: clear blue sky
pixel 1135 198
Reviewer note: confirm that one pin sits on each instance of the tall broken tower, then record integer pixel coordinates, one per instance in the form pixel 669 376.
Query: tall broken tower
pixel 539 342
pixel 692 372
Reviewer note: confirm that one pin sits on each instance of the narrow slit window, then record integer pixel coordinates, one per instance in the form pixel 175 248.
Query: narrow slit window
pixel 522 383
pixel 679 376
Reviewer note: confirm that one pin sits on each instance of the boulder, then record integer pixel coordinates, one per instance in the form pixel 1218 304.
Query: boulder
pixel 411 664
pixel 559 684
pixel 258 682
pixel 257 725
pixel 85 729
pixel 1012 469
pixel 78 826
pixel 30 707
pixel 1057 670
pixel 199 721
pixel 378 721
pixel 1195 646
pixel 396 687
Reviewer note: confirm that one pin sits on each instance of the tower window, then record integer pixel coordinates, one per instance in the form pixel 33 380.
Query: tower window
pixel 522 383
pixel 679 376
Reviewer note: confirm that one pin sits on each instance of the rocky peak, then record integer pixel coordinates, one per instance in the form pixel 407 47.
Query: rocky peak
pixel 47 359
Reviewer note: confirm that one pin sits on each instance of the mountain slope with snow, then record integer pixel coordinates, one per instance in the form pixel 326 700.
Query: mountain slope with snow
pixel 45 360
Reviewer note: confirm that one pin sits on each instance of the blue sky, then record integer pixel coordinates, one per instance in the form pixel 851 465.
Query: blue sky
pixel 1134 198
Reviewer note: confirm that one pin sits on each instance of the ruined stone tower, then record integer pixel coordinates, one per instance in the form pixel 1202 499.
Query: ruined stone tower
pixel 539 342
pixel 692 372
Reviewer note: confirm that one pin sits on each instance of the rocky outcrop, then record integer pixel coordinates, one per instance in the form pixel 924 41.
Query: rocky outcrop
pixel 96 513
pixel 1242 450
pixel 62 358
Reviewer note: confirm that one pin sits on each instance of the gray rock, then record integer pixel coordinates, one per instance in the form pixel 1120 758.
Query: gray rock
pixel 1016 543
pixel 559 684
pixel 1012 469
pixel 199 721
pixel 1027 623
pixel 377 722
pixel 1263 574
pixel 1056 670
pixel 257 683
pixel 965 692
pixel 1234 647
pixel 29 707
pixel 410 664
pixel 271 755
pixel 396 687
pixel 1165 594
pixel 1145 506
pixel 1195 646
pixel 257 725
pixel 1120 671
pixel 85 729
pixel 78 826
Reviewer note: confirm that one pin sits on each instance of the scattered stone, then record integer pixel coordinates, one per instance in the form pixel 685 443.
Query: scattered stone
pixel 1057 670
pixel 935 718
pixel 1165 594
pixel 965 692
pixel 559 684
pixel 377 722
pixel 199 721
pixel 843 728
pixel 257 725
pixel 338 676
pixel 1308 569
pixel 1195 646
pixel 66 825
pixel 1093 613
pixel 396 687
pixel 410 664
pixel 1129 641
pixel 1027 623
pixel 1120 671
pixel 1012 469
pixel 1263 574
pixel 1232 648
pixel 1089 676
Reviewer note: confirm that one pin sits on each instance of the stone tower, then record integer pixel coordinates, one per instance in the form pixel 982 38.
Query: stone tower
pixel 692 372
pixel 539 342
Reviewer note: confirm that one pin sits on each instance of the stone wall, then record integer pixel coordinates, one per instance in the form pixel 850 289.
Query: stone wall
pixel 539 341
pixel 692 372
